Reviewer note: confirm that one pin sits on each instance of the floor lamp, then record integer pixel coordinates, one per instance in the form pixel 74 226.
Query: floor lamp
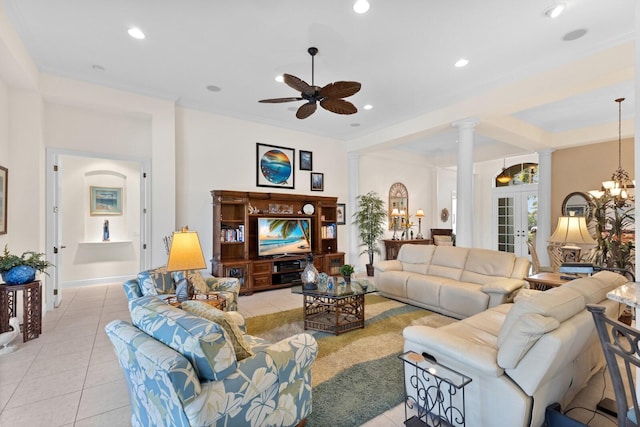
pixel 185 254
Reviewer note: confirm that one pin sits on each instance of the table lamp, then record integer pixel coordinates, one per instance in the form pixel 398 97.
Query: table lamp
pixel 185 254
pixel 420 214
pixel 395 213
pixel 572 233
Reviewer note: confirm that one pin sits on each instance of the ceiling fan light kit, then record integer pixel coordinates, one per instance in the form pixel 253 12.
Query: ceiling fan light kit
pixel 329 97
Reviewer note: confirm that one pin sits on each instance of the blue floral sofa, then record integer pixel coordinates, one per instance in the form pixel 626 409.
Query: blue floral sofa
pixel 163 283
pixel 182 370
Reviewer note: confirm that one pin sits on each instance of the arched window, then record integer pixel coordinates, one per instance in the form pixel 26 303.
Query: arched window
pixel 521 173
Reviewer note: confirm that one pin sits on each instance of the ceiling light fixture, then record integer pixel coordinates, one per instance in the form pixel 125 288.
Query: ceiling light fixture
pixel 618 187
pixel 555 10
pixel 280 78
pixel 461 63
pixel 504 177
pixel 136 33
pixel 368 107
pixel 361 6
pixel 213 88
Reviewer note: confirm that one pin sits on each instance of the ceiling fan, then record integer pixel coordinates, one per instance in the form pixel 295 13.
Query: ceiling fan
pixel 329 96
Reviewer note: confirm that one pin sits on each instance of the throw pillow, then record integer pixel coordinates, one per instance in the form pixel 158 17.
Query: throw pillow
pixel 233 332
pixel 199 283
pixel 442 241
pixel 156 282
pixel 201 341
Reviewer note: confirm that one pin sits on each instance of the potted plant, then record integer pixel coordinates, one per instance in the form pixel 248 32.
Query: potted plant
pixel 17 270
pixel 370 218
pixel 346 271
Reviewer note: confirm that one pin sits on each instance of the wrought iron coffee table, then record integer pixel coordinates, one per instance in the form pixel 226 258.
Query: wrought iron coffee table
pixel 336 310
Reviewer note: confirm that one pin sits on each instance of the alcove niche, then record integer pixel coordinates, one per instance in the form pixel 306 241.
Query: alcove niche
pixel 86 257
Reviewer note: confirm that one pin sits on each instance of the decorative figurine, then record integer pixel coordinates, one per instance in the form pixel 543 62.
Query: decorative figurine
pixel 105 231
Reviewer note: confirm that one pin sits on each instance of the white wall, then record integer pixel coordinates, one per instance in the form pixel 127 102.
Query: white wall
pixel 380 170
pixel 219 153
pixel 4 141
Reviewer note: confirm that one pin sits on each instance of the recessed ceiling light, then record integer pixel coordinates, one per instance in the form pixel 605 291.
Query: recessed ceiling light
pixel 97 67
pixel 555 10
pixel 361 6
pixel 354 125
pixel 574 35
pixel 368 107
pixel 461 63
pixel 280 78
pixel 136 33
pixel 213 88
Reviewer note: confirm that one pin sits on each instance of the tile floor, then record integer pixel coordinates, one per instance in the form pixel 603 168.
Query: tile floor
pixel 70 376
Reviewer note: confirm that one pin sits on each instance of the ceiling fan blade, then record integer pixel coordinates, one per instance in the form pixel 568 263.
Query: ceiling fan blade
pixel 298 84
pixel 338 106
pixel 277 100
pixel 306 110
pixel 340 89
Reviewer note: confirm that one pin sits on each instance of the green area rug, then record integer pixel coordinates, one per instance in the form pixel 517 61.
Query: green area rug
pixel 357 375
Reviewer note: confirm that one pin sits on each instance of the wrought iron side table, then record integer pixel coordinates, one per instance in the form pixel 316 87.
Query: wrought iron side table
pixel 31 308
pixel 434 391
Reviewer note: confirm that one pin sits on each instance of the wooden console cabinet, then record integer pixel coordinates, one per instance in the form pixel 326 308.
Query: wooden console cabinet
pixel 235 238
pixel 392 247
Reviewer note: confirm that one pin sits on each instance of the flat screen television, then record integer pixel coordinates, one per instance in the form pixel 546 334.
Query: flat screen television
pixel 284 236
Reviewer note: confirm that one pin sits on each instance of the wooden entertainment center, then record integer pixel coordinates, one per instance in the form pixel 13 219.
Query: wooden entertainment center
pixel 235 237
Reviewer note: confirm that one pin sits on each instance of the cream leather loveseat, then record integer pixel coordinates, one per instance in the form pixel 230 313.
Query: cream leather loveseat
pixel 524 356
pixel 454 281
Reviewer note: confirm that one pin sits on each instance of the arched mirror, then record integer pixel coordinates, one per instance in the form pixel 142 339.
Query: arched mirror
pixel 578 204
pixel 398 199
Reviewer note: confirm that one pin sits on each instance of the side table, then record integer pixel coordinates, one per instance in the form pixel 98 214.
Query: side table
pixel 31 308
pixel 434 391
pixel 545 281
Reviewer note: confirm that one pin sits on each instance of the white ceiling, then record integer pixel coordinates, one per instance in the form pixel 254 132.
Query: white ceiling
pixel 527 87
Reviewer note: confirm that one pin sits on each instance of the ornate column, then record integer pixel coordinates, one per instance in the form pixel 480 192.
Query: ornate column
pixel 464 186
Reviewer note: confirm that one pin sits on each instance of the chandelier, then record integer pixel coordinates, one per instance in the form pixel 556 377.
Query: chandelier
pixel 618 187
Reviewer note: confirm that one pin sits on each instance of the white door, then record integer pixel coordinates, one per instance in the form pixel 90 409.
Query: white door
pixel 515 218
pixel 54 231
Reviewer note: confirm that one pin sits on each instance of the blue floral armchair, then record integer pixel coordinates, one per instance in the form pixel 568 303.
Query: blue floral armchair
pixel 181 370
pixel 160 282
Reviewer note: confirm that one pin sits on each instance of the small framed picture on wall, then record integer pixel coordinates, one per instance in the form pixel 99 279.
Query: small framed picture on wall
pixel 341 212
pixel 317 181
pixel 306 160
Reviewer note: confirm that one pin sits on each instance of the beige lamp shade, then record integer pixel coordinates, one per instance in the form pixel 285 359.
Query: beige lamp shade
pixel 395 212
pixel 186 252
pixel 572 229
pixel 420 213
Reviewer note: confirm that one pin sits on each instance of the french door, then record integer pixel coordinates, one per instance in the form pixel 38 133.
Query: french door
pixel 515 218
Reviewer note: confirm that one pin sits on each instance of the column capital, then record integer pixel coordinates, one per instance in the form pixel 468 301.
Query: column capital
pixel 468 123
pixel 546 152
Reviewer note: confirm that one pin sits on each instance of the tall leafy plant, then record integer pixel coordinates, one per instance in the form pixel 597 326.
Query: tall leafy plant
pixel 370 219
pixel 611 220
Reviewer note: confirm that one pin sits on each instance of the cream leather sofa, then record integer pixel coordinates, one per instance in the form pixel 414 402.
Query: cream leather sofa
pixel 454 281
pixel 524 356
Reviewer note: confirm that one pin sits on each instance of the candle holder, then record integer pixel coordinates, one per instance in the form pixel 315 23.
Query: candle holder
pixel 420 214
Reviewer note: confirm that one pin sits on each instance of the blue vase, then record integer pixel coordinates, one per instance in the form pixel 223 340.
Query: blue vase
pixel 19 275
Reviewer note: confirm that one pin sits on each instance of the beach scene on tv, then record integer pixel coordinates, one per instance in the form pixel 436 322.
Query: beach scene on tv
pixel 277 236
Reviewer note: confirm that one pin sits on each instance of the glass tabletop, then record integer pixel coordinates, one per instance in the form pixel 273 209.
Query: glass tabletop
pixel 339 288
